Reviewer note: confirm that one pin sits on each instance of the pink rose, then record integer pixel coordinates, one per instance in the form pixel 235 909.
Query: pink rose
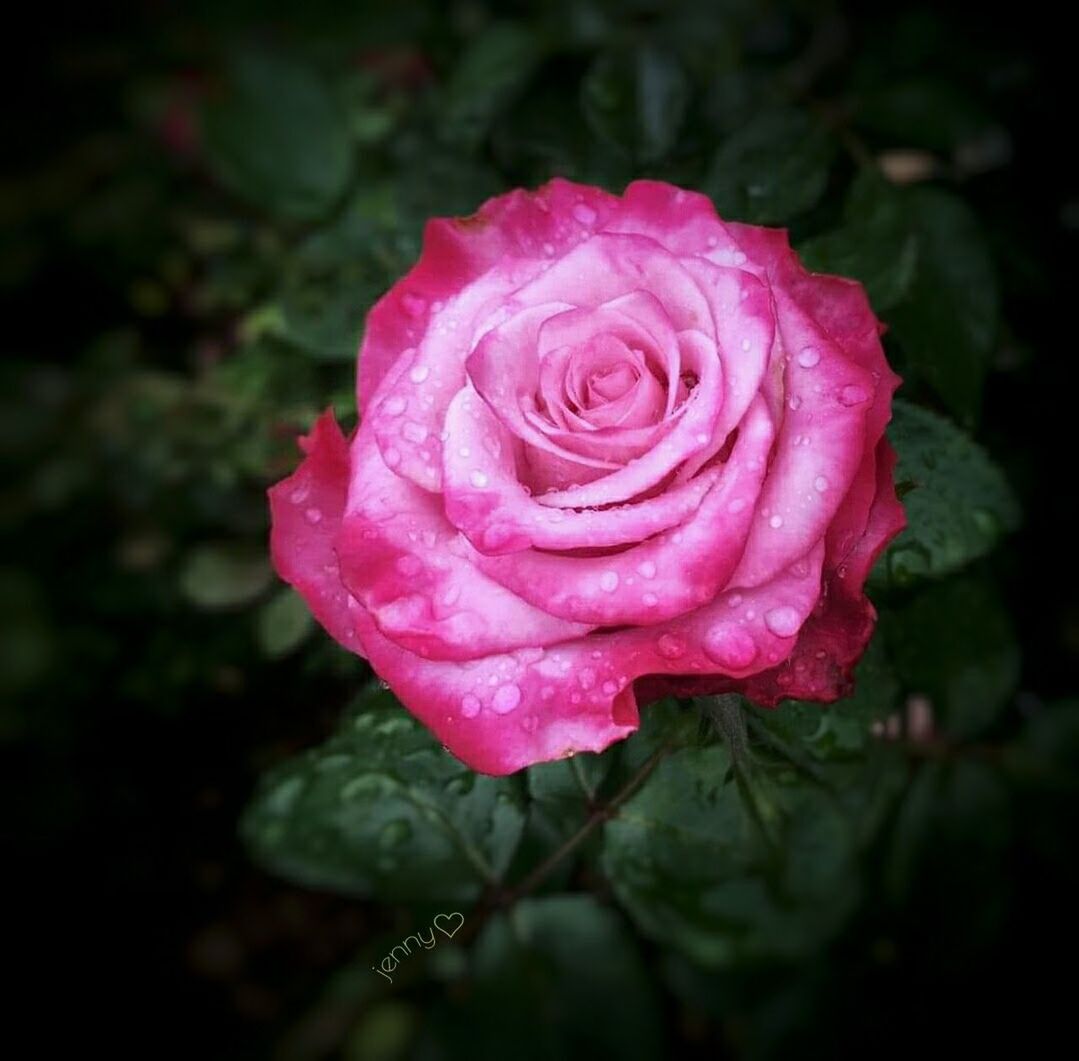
pixel 610 448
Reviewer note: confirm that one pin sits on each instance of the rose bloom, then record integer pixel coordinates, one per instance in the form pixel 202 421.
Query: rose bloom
pixel 610 448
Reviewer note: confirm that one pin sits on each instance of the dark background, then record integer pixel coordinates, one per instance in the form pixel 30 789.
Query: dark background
pixel 139 721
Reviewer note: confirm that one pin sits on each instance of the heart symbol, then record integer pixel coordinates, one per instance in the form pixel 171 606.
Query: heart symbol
pixel 448 918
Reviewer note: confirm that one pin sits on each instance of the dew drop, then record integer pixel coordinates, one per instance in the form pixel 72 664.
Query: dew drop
pixel 478 480
pixel 730 646
pixel 795 402
pixel 394 406
pixel 669 646
pixel 313 516
pixel 414 305
pixel 506 698
pixel 585 214
pixel 470 705
pixel 299 495
pixel 414 432
pixel 782 621
pixel 610 688
pixel 587 678
pixel 736 505
pixel 853 395
pixel 391 457
pixel 608 581
pixel 647 569
pixel 808 357
pixel 775 522
pixel 394 833
pixel 650 600
pixel 820 484
pixel 746 344
pixel 409 565
pixel 419 373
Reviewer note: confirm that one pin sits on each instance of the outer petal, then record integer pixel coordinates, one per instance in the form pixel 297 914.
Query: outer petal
pixel 306 510
pixel 456 251
pixel 509 711
pixel 408 567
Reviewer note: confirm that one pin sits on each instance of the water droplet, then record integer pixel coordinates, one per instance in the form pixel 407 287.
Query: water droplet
pixel 299 495
pixel 587 678
pixel 610 688
pixel 853 395
pixel 394 406
pixel 775 522
pixel 414 432
pixel 313 516
pixel 506 698
pixel 730 646
pixel 820 484
pixel 470 705
pixel 409 565
pixel 783 621
pixel 736 505
pixel 419 373
pixel 478 479
pixel 608 581
pixel 670 646
pixel 795 402
pixel 392 457
pixel 585 214
pixel 746 344
pixel 414 305
pixel 734 600
pixel 394 833
pixel 808 357
pixel 647 569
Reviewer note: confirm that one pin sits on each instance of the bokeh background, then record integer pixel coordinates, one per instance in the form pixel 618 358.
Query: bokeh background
pixel 199 202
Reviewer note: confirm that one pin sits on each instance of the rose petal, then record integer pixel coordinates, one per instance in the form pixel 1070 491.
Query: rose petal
pixel 456 251
pixel 408 567
pixel 485 499
pixel 691 433
pixel 509 711
pixel 818 450
pixel 663 576
pixel 306 510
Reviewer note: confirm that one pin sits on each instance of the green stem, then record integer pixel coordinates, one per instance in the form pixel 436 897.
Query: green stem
pixel 598 816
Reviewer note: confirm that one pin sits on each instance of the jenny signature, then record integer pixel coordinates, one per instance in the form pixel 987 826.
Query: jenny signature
pixel 447 924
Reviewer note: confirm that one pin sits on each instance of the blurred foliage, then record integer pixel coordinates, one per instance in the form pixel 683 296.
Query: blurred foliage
pixel 192 240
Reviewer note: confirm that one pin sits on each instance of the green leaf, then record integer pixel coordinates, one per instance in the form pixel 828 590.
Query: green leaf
pixel 284 622
pixel 834 743
pixel 841 730
pixel 923 112
pixel 551 965
pixel 947 324
pixel 279 138
pixel 381 810
pixel 772 169
pixel 636 100
pixel 694 865
pixel 959 504
pixel 563 793
pixel 875 243
pixel 951 836
pixel 954 643
pixel 224 575
pixel 494 68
